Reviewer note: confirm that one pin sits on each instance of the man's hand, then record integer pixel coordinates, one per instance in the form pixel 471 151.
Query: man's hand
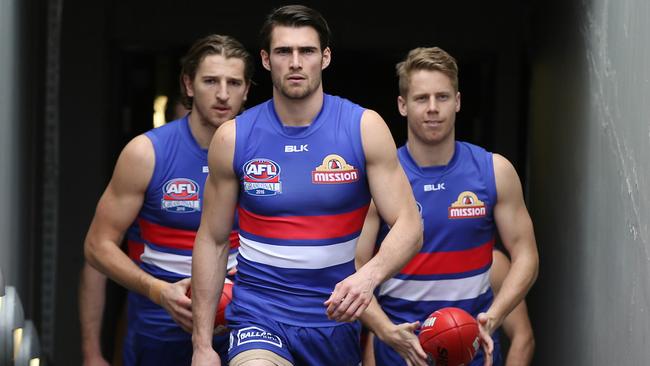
pixel 173 297
pixel 350 298
pixel 485 328
pixel 205 357
pixel 404 341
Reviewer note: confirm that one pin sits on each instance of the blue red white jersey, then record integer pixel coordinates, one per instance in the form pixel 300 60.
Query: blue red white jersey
pixel 303 199
pixel 456 202
pixel 171 211
pixel 168 221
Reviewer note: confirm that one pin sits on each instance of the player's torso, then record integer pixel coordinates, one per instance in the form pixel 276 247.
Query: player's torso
pixel 303 199
pixel 456 203
pixel 171 211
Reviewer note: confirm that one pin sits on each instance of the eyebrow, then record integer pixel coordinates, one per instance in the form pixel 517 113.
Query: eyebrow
pixel 300 48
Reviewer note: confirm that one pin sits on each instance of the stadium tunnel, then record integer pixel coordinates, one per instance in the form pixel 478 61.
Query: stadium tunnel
pixel 555 86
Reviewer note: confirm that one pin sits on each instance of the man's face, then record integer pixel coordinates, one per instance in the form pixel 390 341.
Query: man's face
pixel 219 89
pixel 295 61
pixel 430 107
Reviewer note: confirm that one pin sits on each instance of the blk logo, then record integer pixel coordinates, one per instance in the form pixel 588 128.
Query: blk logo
pixel 434 187
pixel 296 148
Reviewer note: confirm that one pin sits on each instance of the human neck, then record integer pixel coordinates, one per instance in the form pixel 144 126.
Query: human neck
pixel 202 131
pixel 427 154
pixel 298 112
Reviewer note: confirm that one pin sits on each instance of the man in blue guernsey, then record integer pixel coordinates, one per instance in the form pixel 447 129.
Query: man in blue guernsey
pixel 466 195
pixel 158 182
pixel 300 169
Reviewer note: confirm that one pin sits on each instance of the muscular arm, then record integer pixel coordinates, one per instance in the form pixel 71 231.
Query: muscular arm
pixel 116 210
pixel 394 200
pixel 210 254
pixel 91 310
pixel 516 231
pixel 516 325
pixel 400 337
pixel 392 195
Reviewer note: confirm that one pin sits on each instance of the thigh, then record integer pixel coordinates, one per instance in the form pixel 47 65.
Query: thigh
pixel 258 357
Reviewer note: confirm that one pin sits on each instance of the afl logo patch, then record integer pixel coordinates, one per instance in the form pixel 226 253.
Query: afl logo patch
pixel 467 206
pixel 181 195
pixel 262 177
pixel 334 170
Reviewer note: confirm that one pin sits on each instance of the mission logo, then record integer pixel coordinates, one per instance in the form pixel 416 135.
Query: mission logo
pixel 181 195
pixel 334 170
pixel 262 177
pixel 467 206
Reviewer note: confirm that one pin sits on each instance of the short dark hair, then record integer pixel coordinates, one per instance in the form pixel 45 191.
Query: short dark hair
pixel 295 16
pixel 214 44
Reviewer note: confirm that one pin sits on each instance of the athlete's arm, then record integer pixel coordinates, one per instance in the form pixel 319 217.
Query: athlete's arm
pixel 92 288
pixel 368 237
pixel 400 337
pixel 516 231
pixel 115 212
pixel 210 254
pixel 516 325
pixel 392 195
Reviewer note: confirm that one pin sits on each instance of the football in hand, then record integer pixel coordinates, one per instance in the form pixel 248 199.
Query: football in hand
pixel 450 337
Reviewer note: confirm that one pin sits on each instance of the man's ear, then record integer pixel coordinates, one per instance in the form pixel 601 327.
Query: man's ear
pixel 189 86
pixel 266 62
pixel 327 58
pixel 401 106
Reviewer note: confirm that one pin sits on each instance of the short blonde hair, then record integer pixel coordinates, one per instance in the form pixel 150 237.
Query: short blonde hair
pixel 426 58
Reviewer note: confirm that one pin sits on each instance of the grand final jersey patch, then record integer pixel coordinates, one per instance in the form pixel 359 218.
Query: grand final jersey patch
pixel 181 195
pixel 262 177
pixel 467 206
pixel 334 170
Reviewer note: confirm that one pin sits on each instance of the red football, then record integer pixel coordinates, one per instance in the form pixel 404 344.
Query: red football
pixel 449 336
pixel 226 296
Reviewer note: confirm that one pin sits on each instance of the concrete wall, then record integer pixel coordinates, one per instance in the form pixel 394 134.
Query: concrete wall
pixel 8 137
pixel 10 215
pixel 589 179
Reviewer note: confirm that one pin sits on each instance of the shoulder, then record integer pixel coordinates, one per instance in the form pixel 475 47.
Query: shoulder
pixel 376 138
pixel 502 166
pixel 371 119
pixel 138 150
pixel 225 133
pixel 136 163
pixel 506 178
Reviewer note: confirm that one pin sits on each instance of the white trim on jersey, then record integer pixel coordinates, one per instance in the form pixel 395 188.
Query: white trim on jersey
pixel 437 290
pixel 176 263
pixel 297 257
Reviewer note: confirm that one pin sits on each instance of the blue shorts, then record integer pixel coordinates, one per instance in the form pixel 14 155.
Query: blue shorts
pixel 336 345
pixel 386 356
pixel 149 351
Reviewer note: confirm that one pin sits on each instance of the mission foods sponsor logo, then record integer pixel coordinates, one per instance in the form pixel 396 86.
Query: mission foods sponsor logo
pixel 334 170
pixel 262 177
pixel 467 206
pixel 181 195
